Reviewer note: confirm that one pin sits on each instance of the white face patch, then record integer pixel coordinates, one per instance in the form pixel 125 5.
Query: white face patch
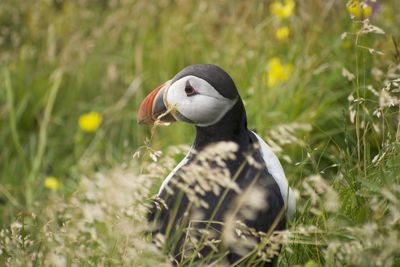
pixel 205 108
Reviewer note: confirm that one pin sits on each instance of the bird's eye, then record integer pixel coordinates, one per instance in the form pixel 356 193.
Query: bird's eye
pixel 189 90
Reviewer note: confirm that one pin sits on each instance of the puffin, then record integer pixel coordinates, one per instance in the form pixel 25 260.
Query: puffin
pixel 206 96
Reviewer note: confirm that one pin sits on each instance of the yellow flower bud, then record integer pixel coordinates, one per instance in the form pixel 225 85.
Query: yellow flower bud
pixel 282 10
pixel 282 33
pixel 52 183
pixel 277 72
pixel 367 11
pixel 359 10
pixel 90 122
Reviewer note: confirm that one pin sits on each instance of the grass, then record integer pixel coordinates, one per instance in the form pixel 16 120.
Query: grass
pixel 336 132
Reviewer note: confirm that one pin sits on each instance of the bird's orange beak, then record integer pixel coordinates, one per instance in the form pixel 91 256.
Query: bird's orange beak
pixel 153 107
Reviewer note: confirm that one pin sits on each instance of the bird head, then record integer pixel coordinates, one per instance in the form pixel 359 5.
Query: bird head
pixel 199 94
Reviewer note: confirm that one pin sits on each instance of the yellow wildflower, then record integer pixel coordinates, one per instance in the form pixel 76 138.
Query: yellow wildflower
pixel 277 72
pixel 367 11
pixel 359 10
pixel 282 33
pixel 52 183
pixel 90 122
pixel 282 10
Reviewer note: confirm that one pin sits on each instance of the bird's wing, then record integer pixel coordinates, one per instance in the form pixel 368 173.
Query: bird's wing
pixel 275 169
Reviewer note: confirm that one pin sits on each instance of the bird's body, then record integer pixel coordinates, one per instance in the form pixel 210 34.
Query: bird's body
pixel 219 116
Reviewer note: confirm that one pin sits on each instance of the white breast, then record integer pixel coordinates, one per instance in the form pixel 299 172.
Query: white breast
pixel 168 178
pixel 275 169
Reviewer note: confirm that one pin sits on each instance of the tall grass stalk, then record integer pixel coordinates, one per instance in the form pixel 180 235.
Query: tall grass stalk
pixel 12 120
pixel 42 138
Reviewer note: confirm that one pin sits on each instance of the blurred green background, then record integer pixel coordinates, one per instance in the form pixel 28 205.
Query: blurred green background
pixel 61 59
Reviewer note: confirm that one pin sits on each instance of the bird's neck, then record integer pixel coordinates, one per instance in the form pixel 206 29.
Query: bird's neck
pixel 232 127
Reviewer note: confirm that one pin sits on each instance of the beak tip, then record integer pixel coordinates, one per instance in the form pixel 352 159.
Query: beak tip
pixel 143 121
pixel 139 121
pixel 148 108
pixel 144 117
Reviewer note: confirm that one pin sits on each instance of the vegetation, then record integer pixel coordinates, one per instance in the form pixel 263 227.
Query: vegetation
pixel 320 81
